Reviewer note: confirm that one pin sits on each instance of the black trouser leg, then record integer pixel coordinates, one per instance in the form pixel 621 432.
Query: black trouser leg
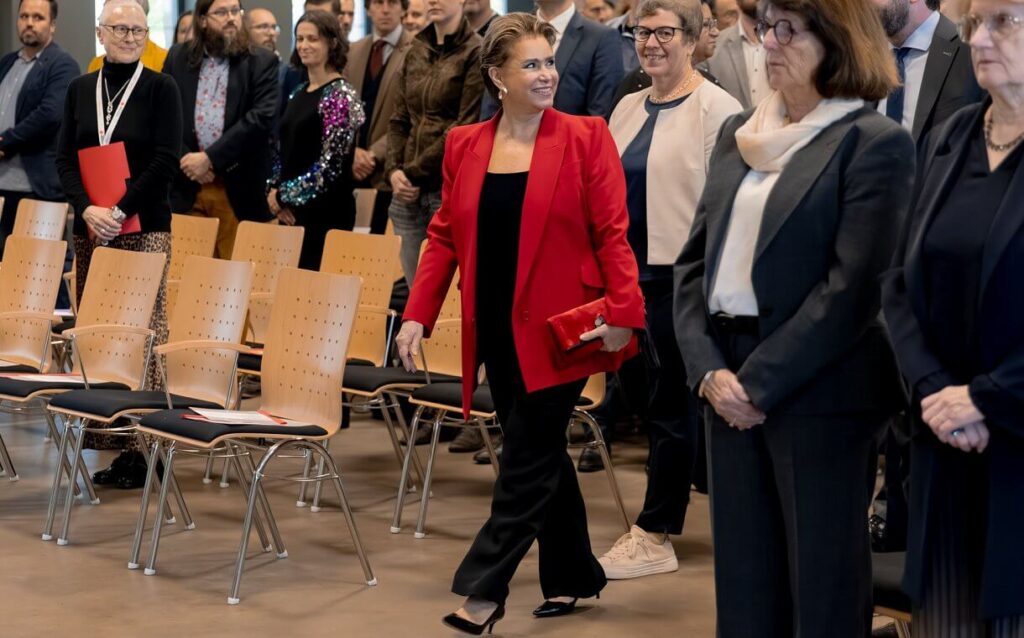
pixel 897 478
pixel 671 419
pixel 535 497
pixel 379 221
pixel 8 214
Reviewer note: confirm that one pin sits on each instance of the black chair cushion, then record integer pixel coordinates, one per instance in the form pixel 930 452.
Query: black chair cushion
pixel 447 393
pixel 255 362
pixel 173 423
pixel 370 379
pixel 67 324
pixel 13 368
pixel 887 577
pixel 20 388
pixel 107 403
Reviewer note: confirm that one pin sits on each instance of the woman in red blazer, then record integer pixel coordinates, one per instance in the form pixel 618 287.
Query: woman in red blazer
pixel 533 215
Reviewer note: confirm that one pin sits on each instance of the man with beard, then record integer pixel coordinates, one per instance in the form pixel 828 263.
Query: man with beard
pixel 739 59
pixel 229 94
pixel 934 65
pixel 33 82
pixel 153 56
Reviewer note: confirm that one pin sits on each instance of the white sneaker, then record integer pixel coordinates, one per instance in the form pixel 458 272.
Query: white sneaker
pixel 636 554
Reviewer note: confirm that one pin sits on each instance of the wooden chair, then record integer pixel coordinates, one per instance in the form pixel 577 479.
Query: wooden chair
pixel 190 235
pixel 304 363
pixel 198 364
pixel 43 220
pixel 29 280
pixel 271 247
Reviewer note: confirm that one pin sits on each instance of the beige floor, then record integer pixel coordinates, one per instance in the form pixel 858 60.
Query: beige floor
pixel 84 589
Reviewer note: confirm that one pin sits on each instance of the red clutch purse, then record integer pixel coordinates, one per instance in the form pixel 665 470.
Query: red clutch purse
pixel 569 325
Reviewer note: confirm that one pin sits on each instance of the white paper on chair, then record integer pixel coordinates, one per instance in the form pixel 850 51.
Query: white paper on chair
pixel 47 378
pixel 236 417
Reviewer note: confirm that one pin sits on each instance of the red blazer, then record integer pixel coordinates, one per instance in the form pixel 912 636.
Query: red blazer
pixel 572 245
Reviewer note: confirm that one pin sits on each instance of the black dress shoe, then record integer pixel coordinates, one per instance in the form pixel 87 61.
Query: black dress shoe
pixel 552 608
pixel 590 461
pixel 468 626
pixel 120 467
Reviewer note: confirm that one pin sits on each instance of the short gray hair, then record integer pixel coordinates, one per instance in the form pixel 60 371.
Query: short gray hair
pixel 691 18
pixel 142 3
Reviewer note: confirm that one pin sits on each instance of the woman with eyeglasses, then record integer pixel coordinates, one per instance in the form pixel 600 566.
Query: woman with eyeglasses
pixel 664 135
pixel 954 306
pixel 141 109
pixel 777 317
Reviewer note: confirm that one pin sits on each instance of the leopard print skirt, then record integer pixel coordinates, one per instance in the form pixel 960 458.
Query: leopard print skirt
pixel 145 243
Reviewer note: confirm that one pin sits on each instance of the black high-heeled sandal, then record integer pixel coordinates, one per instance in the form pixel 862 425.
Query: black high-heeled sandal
pixel 553 608
pixel 468 626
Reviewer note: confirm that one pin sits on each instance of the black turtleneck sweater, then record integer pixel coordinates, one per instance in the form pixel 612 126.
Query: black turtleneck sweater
pixel 150 129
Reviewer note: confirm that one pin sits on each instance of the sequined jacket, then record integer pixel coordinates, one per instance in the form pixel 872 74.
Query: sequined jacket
pixel 342 115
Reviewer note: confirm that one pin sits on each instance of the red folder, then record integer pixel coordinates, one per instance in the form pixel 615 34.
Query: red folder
pixel 104 174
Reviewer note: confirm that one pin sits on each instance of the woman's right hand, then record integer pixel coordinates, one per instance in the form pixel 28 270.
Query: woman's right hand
pixel 285 216
pixel 730 401
pixel 101 222
pixel 275 208
pixel 402 188
pixel 408 340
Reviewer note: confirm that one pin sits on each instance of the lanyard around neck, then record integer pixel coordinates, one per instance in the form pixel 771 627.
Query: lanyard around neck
pixel 105 133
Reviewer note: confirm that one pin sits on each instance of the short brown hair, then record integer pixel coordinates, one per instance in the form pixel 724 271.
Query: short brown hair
pixel 858 59
pixel 329 29
pixel 691 18
pixel 335 5
pixel 503 34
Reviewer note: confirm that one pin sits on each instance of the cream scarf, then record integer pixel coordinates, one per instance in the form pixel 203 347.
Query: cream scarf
pixel 767 142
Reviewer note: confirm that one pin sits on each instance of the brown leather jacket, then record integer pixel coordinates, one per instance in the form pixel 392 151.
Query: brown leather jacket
pixel 440 87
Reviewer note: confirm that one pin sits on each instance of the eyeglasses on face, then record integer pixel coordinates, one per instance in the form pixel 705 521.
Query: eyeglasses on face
pixel 265 27
pixel 783 30
pixel 711 24
pixel 222 14
pixel 663 34
pixel 121 31
pixel 999 25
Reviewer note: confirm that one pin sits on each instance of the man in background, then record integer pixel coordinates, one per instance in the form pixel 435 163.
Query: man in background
pixel 739 62
pixel 33 82
pixel 415 19
pixel 344 9
pixel 480 15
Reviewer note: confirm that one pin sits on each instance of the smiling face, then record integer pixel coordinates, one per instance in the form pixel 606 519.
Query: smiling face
pixel 415 18
pixel 998 58
pixel 792 66
pixel 129 48
pixel 311 46
pixel 664 60
pixel 708 36
pixel 529 76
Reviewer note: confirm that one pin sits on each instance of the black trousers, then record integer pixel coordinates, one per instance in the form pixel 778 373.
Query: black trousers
pixel 789 503
pixel 379 220
pixel 8 214
pixel 671 420
pixel 536 496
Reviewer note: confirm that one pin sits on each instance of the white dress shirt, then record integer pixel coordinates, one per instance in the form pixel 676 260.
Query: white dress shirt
pixel 560 22
pixel 755 58
pixel 392 40
pixel 920 40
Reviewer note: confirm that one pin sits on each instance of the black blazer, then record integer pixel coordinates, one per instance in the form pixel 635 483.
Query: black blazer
pixel 830 227
pixel 37 116
pixel 589 63
pixel 1001 339
pixel 241 157
pixel 948 83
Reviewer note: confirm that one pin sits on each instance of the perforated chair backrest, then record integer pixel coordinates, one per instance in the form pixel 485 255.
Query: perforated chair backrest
pixel 365 199
pixel 593 393
pixel 271 247
pixel 443 350
pixel 372 257
pixel 214 297
pixel 190 235
pixel 42 220
pixel 29 279
pixel 307 346
pixel 121 289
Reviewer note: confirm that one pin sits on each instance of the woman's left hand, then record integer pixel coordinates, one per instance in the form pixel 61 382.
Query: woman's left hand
pixel 615 339
pixel 286 216
pixel 949 409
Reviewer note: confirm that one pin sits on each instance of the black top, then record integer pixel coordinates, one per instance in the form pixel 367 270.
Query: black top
pixel 634 163
pixel 953 247
pixel 150 128
pixel 499 219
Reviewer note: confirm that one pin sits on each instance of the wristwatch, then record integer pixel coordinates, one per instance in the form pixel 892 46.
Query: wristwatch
pixel 117 214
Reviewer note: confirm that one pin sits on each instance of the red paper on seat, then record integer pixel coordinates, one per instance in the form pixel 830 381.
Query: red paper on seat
pixel 105 174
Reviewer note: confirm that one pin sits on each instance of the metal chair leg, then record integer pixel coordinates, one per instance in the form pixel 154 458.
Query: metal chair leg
pixel 489 444
pixel 421 523
pixel 903 629
pixel 244 484
pixel 7 463
pixel 307 465
pixel 208 472
pixel 225 475
pixel 82 470
pixel 275 533
pixel 186 516
pixel 371 580
pixel 58 475
pixel 403 481
pixel 140 525
pixel 76 460
pixel 389 421
pixel 392 400
pixel 318 490
pixel 243 546
pixel 161 504
pixel 602 448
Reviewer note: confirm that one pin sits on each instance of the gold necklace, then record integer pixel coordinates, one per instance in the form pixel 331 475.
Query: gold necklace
pixel 676 93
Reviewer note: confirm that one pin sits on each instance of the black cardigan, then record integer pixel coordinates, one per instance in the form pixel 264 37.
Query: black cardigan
pixel 151 131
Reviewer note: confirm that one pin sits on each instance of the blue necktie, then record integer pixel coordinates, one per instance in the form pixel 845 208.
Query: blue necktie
pixel 894 106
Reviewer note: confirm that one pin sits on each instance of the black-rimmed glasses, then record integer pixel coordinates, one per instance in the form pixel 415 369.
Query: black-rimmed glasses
pixel 663 34
pixel 121 31
pixel 1000 25
pixel 222 14
pixel 783 29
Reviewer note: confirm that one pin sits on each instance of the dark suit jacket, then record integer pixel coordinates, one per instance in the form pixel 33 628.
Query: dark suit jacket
pixel 829 230
pixel 637 80
pixel 948 83
pixel 1000 334
pixel 589 63
pixel 37 117
pixel 241 157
